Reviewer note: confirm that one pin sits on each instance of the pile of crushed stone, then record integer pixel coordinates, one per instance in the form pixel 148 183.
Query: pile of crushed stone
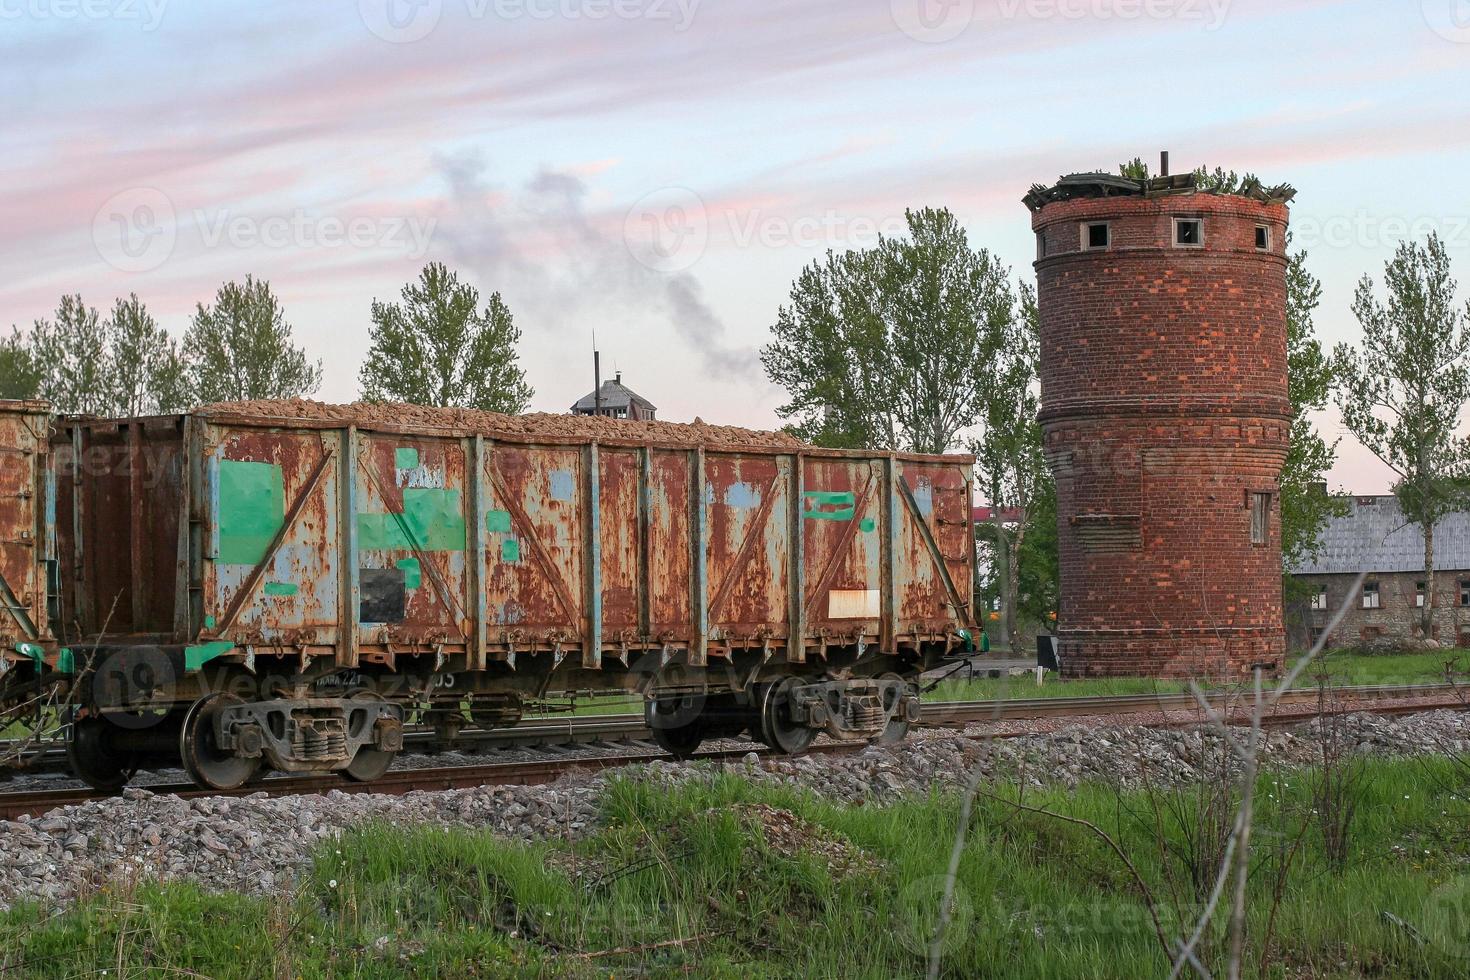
pixel 397 415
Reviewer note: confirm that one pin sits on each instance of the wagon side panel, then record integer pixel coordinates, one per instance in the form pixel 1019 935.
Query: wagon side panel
pixel 271 573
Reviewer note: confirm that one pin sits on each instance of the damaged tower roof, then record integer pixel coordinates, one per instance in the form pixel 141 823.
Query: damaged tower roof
pixel 1112 185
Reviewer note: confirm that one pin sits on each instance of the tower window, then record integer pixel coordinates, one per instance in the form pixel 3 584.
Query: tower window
pixel 1189 232
pixel 1260 518
pixel 1096 235
pixel 1263 238
pixel 1040 245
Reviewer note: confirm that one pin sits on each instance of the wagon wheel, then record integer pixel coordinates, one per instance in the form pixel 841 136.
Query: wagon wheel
pixel 93 759
pixel 673 729
pixel 777 728
pixel 898 722
pixel 206 763
pixel 370 763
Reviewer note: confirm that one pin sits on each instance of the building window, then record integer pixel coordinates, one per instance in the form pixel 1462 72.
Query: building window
pixel 1189 232
pixel 1096 235
pixel 1041 245
pixel 1319 598
pixel 1370 595
pixel 1465 591
pixel 1263 238
pixel 1371 634
pixel 1260 518
pixel 1419 590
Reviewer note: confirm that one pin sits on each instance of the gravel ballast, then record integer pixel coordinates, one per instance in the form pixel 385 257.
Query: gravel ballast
pixel 259 845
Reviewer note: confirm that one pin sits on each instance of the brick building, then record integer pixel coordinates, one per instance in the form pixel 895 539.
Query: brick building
pixel 1165 417
pixel 1374 536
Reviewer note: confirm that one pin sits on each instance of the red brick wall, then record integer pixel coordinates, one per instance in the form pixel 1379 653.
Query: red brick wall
pixel 1164 404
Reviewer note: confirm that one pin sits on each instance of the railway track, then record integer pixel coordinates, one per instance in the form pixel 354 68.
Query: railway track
pixel 629 733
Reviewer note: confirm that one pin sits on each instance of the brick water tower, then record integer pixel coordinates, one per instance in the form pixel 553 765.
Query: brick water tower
pixel 1166 418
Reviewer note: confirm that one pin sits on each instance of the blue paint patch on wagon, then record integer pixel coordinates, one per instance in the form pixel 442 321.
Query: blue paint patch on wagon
pixel 742 496
pixel 563 485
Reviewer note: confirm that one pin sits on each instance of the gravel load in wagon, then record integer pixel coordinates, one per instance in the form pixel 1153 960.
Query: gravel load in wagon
pixel 396 415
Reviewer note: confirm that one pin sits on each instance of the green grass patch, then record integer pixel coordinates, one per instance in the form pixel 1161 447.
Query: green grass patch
pixel 730 879
pixel 1342 669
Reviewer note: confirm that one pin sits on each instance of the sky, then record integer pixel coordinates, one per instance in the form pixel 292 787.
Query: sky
pixel 651 175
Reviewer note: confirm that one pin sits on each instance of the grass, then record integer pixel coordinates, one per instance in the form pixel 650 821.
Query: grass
pixel 688 882
pixel 1343 668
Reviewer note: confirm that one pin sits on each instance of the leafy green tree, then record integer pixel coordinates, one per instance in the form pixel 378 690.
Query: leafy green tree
pixel 1305 509
pixel 438 347
pixel 21 375
pixel 147 373
pixel 1010 464
pixel 72 352
pixel 1403 392
pixel 879 348
pixel 241 348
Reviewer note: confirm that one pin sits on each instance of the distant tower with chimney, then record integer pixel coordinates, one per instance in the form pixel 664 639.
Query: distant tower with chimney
pixel 1165 417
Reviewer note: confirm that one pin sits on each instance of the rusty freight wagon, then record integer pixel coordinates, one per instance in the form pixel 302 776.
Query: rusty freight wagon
pixel 284 584
pixel 32 666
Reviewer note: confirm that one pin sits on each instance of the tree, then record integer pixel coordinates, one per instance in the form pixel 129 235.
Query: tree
pixel 21 374
pixel 72 353
pixel 1305 509
pixel 240 348
pixel 1009 458
pixel 147 374
pixel 879 348
pixel 439 348
pixel 1402 394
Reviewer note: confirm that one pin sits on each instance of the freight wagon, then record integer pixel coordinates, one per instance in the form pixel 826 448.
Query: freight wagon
pixel 29 653
pixel 283 585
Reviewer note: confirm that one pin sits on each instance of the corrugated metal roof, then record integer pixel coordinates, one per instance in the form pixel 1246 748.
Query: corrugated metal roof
pixel 1373 536
pixel 615 394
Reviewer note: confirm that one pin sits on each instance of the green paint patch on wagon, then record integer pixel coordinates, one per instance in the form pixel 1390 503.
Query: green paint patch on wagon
pixel 498 522
pixel 252 508
pixel 413 574
pixel 829 505
pixel 197 656
pixel 281 588
pixel 406 458
pixel 868 525
pixel 510 550
pixel 432 520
